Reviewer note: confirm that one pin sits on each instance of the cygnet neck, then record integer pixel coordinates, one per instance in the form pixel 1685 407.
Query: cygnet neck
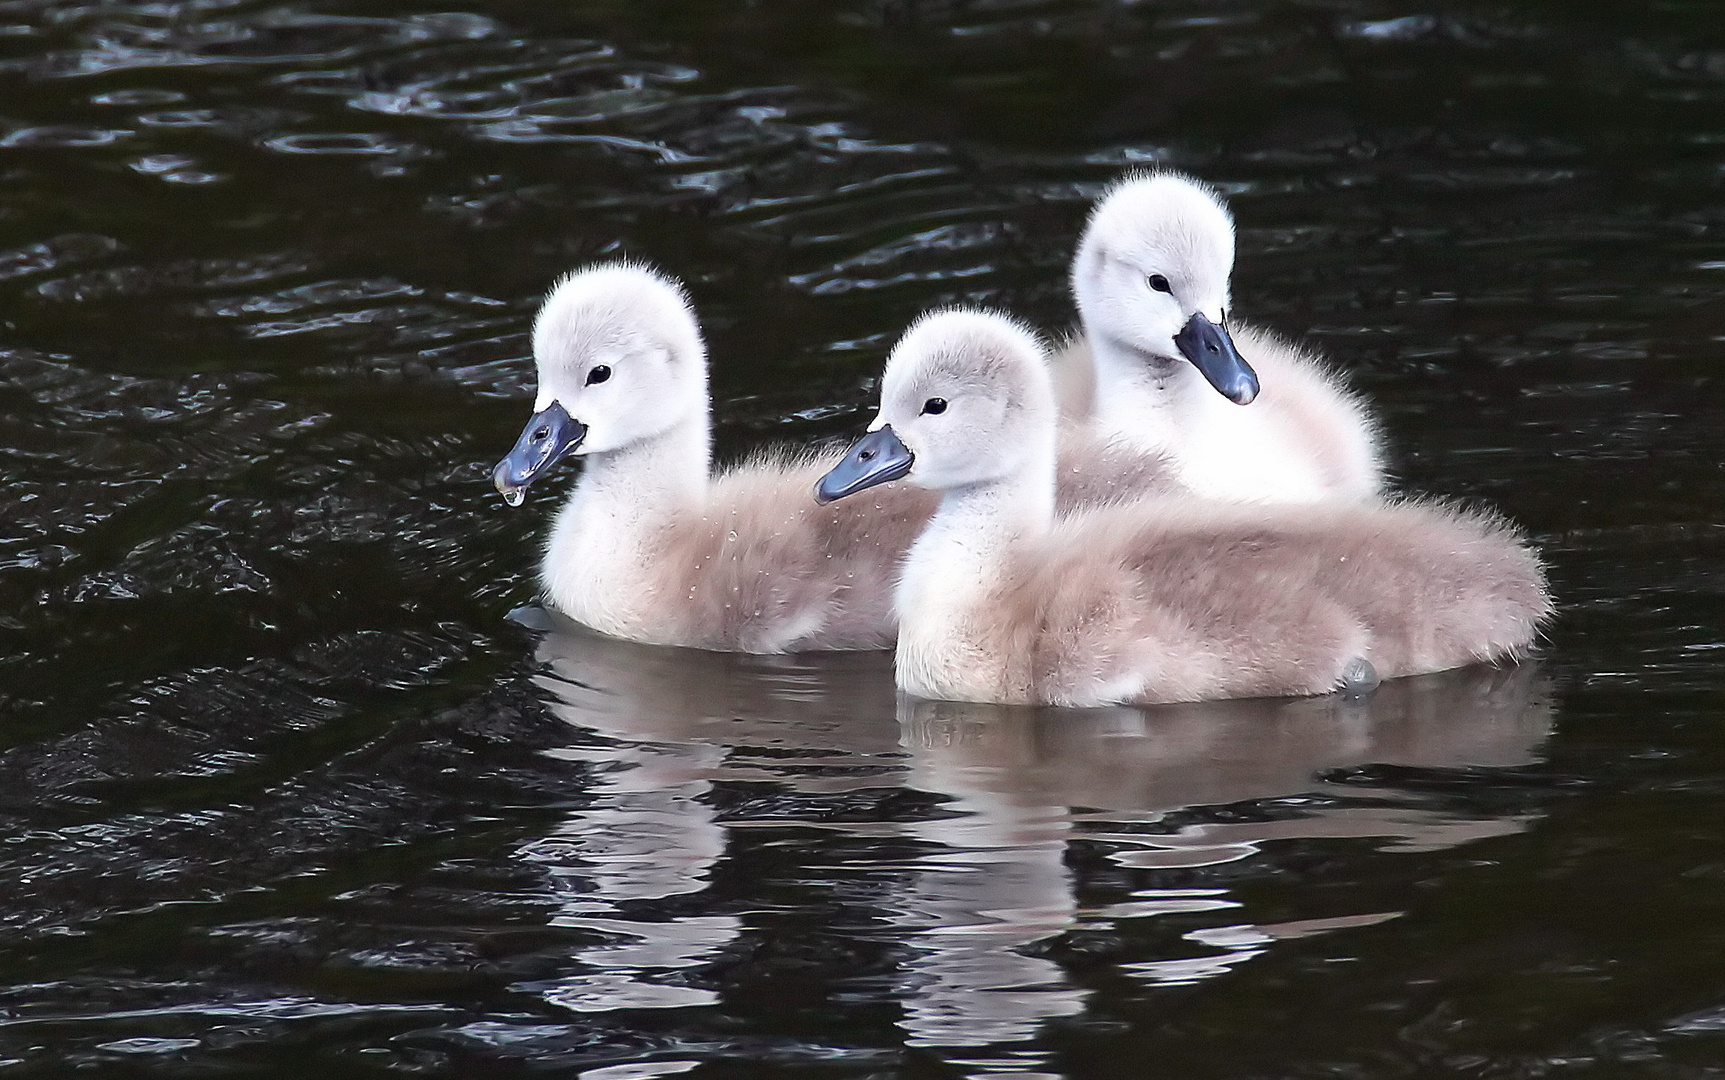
pixel 657 473
pixel 1141 401
pixel 975 521
pixel 961 556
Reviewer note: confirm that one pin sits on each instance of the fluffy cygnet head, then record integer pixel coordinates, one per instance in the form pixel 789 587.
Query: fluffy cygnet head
pixel 966 399
pixel 1151 279
pixel 620 360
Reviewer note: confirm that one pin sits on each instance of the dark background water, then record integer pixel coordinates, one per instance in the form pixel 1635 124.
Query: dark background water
pixel 285 793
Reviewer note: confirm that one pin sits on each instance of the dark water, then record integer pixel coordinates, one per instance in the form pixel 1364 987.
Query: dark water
pixel 285 793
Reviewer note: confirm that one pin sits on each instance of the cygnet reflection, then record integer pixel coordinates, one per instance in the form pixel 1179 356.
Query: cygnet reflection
pixel 1000 880
pixel 662 726
pixel 1020 785
pixel 1145 761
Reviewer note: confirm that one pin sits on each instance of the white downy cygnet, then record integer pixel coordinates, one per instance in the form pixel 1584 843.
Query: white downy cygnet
pixel 1241 414
pixel 651 546
pixel 1162 599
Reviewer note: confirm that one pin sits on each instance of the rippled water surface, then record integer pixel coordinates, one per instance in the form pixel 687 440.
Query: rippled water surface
pixel 285 791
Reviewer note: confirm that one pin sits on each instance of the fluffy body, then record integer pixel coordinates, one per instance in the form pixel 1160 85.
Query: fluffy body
pixel 1160 599
pixel 1305 438
pixel 1186 600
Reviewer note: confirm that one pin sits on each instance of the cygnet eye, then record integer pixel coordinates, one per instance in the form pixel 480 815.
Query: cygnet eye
pixel 934 406
pixel 1160 283
pixel 598 375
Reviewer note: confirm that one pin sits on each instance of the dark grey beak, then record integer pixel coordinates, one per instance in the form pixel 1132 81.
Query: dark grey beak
pixel 876 458
pixel 1212 352
pixel 547 439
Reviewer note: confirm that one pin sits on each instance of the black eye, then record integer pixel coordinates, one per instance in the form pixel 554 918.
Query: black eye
pixel 1160 283
pixel 598 375
pixel 934 406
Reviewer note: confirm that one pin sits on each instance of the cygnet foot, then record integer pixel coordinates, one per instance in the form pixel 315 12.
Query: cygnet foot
pixel 1359 678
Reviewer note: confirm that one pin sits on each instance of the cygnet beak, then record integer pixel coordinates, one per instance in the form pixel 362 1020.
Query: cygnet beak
pixel 876 458
pixel 1212 352
pixel 547 439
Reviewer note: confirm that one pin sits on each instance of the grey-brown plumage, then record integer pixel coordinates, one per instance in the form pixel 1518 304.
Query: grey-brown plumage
pixel 1161 599
pixel 1094 470
pixel 1184 600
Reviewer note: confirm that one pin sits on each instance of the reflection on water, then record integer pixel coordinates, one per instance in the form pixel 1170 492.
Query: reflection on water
pixel 1018 789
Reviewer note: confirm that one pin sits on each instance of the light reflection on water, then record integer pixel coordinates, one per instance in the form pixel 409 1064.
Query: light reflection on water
pixel 1017 790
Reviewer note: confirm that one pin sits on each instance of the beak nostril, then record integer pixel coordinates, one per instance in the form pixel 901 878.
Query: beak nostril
pixel 542 433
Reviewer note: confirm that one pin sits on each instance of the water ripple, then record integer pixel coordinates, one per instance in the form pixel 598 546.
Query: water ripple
pixel 54 253
pixel 61 138
pixel 173 276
